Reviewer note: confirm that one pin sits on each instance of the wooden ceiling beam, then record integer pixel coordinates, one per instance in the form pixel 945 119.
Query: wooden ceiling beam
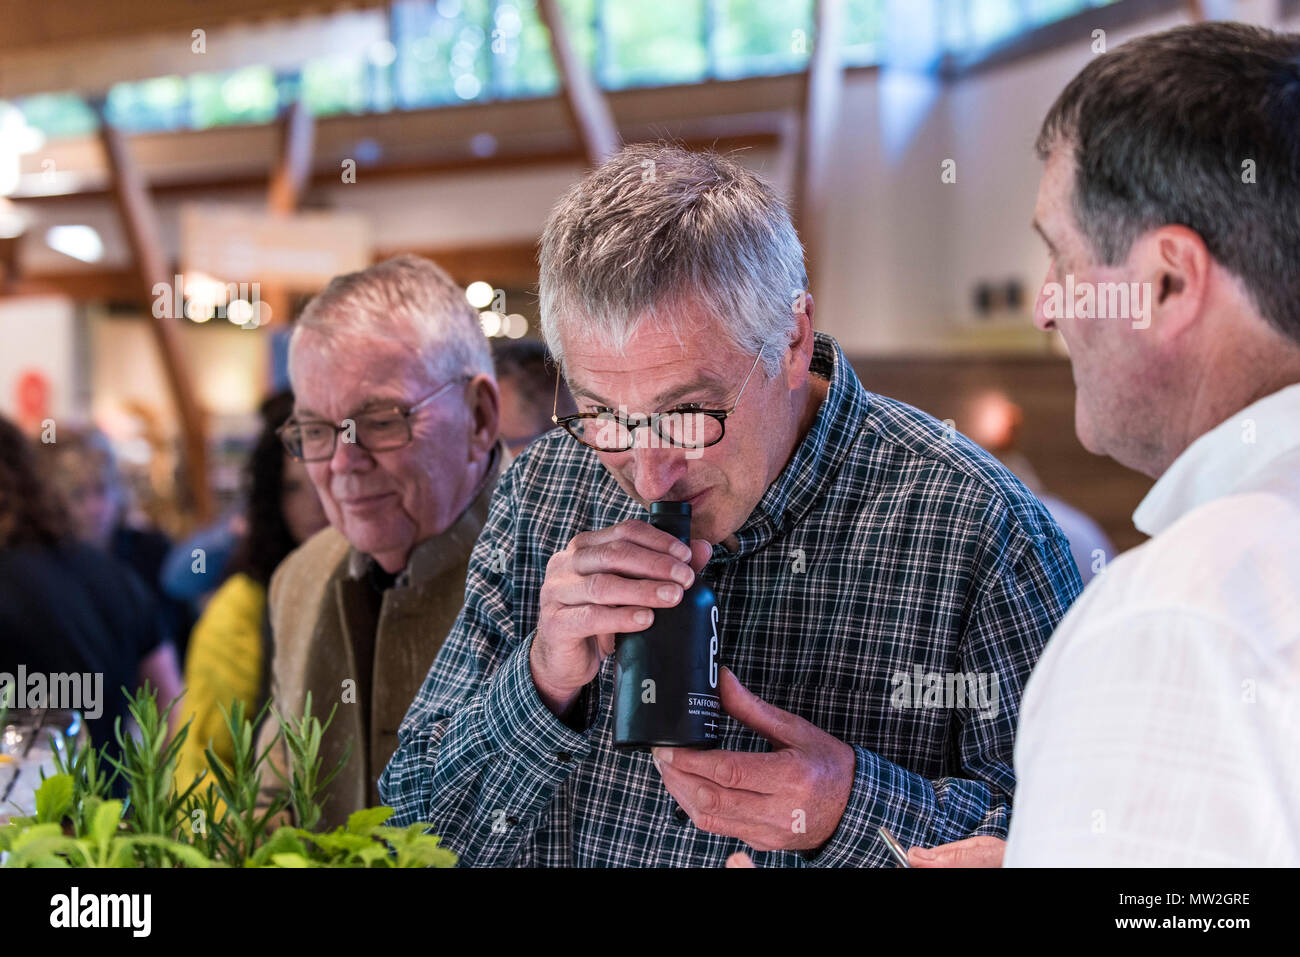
pixel 821 107
pixel 289 182
pixel 30 25
pixel 140 225
pixel 585 100
pixel 760 138
pixel 293 167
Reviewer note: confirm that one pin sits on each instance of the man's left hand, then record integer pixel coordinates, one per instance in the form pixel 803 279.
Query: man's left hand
pixel 791 798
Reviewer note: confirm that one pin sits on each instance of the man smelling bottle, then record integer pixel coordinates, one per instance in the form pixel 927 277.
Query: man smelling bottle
pixel 666 677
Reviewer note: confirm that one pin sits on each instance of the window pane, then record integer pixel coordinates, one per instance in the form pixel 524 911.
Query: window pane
pixel 443 51
pixel 864 28
pixel 521 50
pixel 1046 11
pixel 240 96
pixel 652 43
pixel 993 20
pixel 58 114
pixel 158 104
pixel 762 36
pixel 334 84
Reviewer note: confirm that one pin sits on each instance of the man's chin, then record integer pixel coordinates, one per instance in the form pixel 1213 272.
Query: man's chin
pixel 1085 431
pixel 370 540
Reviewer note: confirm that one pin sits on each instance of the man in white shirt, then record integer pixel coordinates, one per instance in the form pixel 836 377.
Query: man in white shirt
pixel 1162 724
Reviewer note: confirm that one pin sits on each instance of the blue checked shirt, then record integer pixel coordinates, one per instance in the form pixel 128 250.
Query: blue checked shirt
pixel 890 555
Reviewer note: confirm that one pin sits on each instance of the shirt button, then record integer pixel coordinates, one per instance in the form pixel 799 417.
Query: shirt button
pixel 512 821
pixel 564 757
pixel 681 815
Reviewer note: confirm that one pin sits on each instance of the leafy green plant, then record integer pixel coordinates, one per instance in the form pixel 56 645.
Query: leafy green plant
pixel 206 814
pixel 149 766
pixel 82 763
pixel 303 739
pixel 76 826
pixel 363 842
pixel 40 841
pixel 243 825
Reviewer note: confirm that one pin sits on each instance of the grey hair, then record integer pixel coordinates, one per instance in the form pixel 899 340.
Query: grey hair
pixel 406 299
pixel 657 227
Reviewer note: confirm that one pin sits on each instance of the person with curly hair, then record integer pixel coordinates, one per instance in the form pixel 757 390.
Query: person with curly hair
pixel 230 647
pixel 67 607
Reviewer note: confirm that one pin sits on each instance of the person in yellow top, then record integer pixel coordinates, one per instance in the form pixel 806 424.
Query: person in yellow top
pixel 229 650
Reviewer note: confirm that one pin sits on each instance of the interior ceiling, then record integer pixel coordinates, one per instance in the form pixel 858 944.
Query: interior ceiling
pixel 31 26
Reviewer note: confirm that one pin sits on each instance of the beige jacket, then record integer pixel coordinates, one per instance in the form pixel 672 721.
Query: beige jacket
pixel 320 597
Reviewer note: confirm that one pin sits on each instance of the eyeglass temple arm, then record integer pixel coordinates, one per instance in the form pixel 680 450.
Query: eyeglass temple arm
pixel 746 382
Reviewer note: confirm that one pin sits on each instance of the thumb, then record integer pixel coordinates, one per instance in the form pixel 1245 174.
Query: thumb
pixel 701 552
pixel 779 727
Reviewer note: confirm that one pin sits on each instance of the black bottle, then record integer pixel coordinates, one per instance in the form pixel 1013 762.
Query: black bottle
pixel 666 677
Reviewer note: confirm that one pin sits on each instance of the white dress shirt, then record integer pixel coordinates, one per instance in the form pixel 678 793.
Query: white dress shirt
pixel 1161 726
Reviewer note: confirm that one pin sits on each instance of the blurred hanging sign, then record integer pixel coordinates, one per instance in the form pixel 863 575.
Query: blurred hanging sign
pixel 300 252
pixel 32 397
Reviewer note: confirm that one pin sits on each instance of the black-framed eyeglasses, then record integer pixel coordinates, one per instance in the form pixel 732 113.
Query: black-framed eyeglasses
pixel 376 430
pixel 684 427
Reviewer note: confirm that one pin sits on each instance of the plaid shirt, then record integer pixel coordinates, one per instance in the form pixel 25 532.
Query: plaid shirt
pixel 889 550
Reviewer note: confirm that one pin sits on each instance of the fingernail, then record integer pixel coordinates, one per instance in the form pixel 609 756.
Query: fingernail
pixel 664 754
pixel 643 617
pixel 669 592
pixel 682 552
pixel 684 574
pixel 658 766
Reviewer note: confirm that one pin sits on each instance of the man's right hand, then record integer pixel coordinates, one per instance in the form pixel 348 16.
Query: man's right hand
pixel 604 583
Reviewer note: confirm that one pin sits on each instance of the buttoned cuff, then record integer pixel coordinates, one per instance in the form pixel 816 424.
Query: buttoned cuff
pixel 856 842
pixel 520 724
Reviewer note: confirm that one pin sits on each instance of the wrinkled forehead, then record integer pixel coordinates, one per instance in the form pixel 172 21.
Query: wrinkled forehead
pixel 335 377
pixel 651 381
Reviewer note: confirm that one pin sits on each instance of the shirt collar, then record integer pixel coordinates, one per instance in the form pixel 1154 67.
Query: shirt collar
pixel 434 556
pixel 816 460
pixel 1223 459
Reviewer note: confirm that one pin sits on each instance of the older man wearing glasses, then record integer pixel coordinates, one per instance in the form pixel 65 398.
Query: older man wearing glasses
pixel 395 416
pixel 862 555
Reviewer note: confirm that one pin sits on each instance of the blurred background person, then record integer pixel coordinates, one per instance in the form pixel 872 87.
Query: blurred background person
pixel 85 471
pixel 231 647
pixel 527 378
pixel 996 423
pixel 68 607
pixel 186 579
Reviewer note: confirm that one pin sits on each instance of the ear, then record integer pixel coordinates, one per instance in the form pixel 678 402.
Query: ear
pixel 1176 263
pixel 798 355
pixel 484 404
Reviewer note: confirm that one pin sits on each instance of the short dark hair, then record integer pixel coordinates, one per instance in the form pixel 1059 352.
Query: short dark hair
pixel 1161 128
pixel 31 512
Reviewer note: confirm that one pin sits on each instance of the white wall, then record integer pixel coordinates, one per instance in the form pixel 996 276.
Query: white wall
pixel 41 335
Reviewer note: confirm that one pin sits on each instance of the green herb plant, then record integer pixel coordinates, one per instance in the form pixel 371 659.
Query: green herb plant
pixel 75 825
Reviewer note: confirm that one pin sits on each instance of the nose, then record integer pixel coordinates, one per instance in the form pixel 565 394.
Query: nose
pixel 1040 318
pixel 349 456
pixel 655 472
